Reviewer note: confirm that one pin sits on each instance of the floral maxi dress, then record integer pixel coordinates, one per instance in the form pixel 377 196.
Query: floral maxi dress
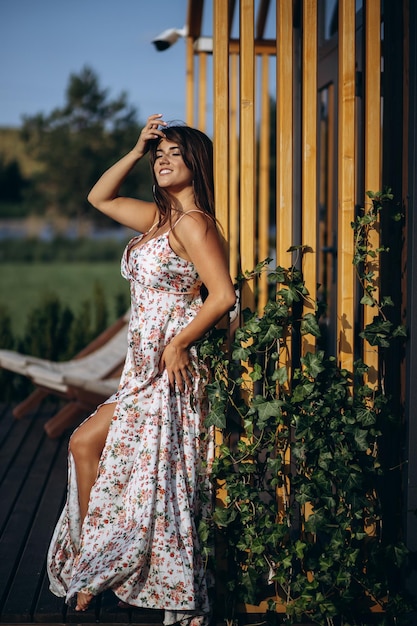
pixel 139 536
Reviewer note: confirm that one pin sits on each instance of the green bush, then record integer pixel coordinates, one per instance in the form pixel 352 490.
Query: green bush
pixel 302 522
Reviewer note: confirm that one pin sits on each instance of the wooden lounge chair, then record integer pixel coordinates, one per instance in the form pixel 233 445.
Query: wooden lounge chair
pixel 85 381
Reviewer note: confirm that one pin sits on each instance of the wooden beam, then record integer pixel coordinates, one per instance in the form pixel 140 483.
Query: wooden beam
pixel 284 218
pixel 261 18
pixel 232 8
pixel 264 179
pixel 262 46
pixel 309 156
pixel 373 149
pixel 247 145
pixel 221 113
pixel 234 227
pixel 346 184
pixel 189 82
pixel 202 91
pixel 194 17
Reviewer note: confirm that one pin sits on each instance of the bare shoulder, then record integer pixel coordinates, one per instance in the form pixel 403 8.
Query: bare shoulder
pixel 195 233
pixel 194 224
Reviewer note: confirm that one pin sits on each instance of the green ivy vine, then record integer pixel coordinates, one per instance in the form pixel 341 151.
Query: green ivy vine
pixel 299 464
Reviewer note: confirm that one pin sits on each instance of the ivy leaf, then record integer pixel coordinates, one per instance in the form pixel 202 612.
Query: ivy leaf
pixel 272 333
pixel 313 362
pixel 399 331
pixel 270 408
pixel 301 392
pixel 366 299
pixel 377 333
pixel 300 548
pixel 257 373
pixel 265 409
pixel 280 375
pixel 253 326
pixel 278 275
pixel 309 325
pixel 216 417
pixel 224 516
pixel 366 416
pixel 217 393
pixel 289 295
pixel 241 354
pixel 218 398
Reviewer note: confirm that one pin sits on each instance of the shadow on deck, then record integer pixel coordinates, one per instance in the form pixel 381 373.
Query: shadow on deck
pixel 33 475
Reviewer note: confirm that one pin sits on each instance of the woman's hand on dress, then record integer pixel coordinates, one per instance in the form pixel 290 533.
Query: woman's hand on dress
pixel 150 131
pixel 176 361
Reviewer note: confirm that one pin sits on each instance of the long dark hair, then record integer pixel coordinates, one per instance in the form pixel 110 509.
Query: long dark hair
pixel 197 151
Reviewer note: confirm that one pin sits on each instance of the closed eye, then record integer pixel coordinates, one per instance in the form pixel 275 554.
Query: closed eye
pixel 160 154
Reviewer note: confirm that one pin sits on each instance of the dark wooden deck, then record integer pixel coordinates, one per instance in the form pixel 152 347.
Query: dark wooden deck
pixel 33 471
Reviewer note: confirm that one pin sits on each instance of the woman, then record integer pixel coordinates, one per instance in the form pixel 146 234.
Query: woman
pixel 137 464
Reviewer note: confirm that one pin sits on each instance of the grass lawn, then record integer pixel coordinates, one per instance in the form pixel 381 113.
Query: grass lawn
pixel 23 284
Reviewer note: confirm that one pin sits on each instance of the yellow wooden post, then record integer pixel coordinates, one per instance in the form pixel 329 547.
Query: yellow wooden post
pixel 331 182
pixel 202 90
pixel 372 147
pixel 247 145
pixel 189 86
pixel 309 156
pixel 264 162
pixel 234 168
pixel 284 219
pixel 221 112
pixel 346 183
pixel 284 146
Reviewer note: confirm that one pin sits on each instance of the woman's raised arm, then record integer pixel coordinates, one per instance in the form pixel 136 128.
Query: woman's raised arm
pixel 131 212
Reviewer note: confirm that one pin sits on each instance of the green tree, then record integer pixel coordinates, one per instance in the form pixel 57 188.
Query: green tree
pixel 76 143
pixel 12 181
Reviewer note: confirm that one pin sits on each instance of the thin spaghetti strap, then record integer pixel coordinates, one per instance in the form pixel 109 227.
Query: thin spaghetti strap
pixel 183 215
pixel 149 229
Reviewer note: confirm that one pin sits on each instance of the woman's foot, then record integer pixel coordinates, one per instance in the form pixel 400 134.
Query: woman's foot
pixel 83 601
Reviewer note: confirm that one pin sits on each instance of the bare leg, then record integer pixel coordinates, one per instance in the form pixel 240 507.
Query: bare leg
pixel 86 446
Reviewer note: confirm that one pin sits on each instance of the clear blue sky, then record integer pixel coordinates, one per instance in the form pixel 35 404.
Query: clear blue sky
pixel 43 41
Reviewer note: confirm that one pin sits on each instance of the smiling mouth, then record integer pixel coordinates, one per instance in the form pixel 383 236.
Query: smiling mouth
pixel 165 171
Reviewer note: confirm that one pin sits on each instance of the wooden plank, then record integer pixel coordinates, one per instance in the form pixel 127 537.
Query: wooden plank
pixel 194 17
pixel 346 183
pixel 373 150
pixel 221 112
pixel 24 441
pixel 221 122
pixel 264 180
pixel 261 18
pixel 48 607
pixel 234 169
pixel 22 598
pixel 11 440
pixel 331 230
pixel 247 147
pixel 32 468
pixel 189 82
pixel 6 425
pixel 284 218
pixel 309 158
pixel 202 91
pixel 284 150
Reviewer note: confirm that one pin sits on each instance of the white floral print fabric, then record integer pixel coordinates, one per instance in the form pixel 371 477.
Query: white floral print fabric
pixel 139 536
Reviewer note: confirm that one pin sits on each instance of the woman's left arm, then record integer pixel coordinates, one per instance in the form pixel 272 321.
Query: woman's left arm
pixel 198 238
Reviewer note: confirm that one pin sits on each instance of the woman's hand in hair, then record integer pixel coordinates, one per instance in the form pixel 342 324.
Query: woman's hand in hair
pixel 150 131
